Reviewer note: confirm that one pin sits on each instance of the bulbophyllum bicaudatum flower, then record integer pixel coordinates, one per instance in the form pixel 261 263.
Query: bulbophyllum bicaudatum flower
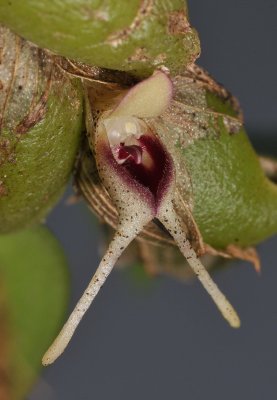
pixel 139 174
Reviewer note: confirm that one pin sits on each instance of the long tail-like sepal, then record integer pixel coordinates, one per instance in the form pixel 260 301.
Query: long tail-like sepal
pixel 124 235
pixel 170 220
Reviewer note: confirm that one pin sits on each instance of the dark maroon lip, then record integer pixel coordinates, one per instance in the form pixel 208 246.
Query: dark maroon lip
pixel 150 181
pixel 130 154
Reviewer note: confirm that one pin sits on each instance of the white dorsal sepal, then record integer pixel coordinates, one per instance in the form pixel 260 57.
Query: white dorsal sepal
pixel 147 99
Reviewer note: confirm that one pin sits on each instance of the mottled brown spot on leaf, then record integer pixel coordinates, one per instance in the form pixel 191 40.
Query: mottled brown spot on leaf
pixel 3 189
pixel 202 78
pixel 139 55
pixel 36 113
pixel 144 11
pixel 177 23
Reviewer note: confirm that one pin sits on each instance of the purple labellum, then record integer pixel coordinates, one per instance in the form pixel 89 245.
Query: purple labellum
pixel 148 164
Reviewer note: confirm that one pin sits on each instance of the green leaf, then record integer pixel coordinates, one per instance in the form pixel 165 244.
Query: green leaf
pixel 143 37
pixel 39 132
pixel 33 272
pixel 218 171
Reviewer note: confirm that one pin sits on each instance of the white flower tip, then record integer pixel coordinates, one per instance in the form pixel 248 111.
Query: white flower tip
pixel 229 313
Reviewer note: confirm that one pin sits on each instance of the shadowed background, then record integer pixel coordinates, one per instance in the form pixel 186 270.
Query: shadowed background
pixel 166 339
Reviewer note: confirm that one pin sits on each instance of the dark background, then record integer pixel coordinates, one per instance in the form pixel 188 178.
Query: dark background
pixel 168 341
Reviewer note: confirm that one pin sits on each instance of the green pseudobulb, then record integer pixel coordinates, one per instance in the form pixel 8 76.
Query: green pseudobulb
pixel 234 202
pixel 138 36
pixel 34 293
pixel 40 126
pixel 218 172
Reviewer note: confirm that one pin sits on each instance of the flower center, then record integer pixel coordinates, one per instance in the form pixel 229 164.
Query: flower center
pixel 129 154
pixel 140 153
